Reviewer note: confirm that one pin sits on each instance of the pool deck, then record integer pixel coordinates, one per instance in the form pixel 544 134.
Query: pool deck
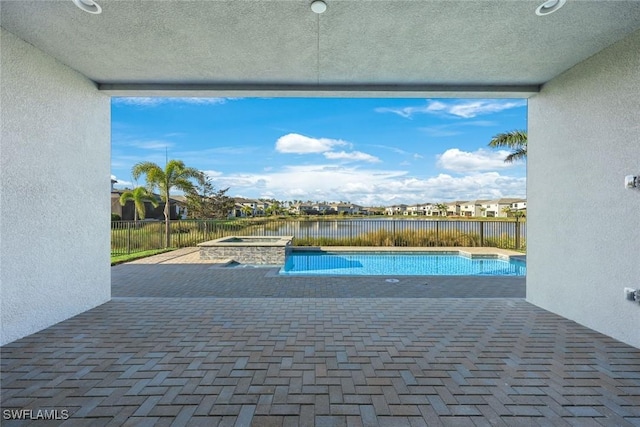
pixel 190 343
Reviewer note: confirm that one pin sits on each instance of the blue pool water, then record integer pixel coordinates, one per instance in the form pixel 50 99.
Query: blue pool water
pixel 398 264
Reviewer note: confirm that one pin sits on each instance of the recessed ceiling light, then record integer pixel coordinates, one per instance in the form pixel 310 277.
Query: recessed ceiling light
pixel 88 6
pixel 549 6
pixel 318 6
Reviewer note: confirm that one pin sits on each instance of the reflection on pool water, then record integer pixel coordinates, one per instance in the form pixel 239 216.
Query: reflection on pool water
pixel 319 263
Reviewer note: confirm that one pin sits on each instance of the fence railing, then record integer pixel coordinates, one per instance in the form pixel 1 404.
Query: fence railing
pixel 129 236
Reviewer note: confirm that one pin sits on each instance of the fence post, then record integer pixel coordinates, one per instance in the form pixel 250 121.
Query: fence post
pixel 128 238
pixel 517 225
pixel 393 232
pixel 351 236
pixel 438 233
pixel 481 233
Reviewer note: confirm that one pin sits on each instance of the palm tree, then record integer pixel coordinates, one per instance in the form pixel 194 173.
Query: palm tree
pixel 516 140
pixel 139 196
pixel 174 175
pixel 274 209
pixel 247 210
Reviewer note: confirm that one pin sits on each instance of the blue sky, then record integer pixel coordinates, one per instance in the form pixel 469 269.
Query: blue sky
pixel 368 151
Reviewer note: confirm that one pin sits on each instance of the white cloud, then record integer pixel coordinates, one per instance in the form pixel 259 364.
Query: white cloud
pixel 351 156
pixel 155 101
pixel 370 187
pixel 212 173
pixel 463 109
pixel 479 107
pixel 300 144
pixel 398 151
pixel 406 112
pixel 457 160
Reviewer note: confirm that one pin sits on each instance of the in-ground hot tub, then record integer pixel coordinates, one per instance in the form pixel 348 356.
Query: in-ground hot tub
pixel 265 250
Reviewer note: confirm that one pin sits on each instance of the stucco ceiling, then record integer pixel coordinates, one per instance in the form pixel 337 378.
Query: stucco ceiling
pixel 212 46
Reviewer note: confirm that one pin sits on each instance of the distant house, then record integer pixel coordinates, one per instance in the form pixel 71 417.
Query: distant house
pixel 472 208
pixel 322 208
pixel 255 207
pixel 347 208
pixel 373 210
pixel 426 209
pixel 519 205
pixel 302 208
pixel 395 210
pixel 498 208
pixel 412 210
pixel 423 209
pixel 455 208
pixel 181 206
pixel 262 206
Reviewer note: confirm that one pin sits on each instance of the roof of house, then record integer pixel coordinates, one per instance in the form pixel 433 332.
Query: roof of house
pixel 504 200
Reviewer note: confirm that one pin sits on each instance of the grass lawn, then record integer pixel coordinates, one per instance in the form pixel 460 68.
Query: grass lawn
pixel 119 259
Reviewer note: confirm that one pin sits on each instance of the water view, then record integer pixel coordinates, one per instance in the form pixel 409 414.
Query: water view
pixel 351 228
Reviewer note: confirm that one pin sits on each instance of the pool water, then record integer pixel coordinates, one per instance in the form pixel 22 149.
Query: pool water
pixel 397 264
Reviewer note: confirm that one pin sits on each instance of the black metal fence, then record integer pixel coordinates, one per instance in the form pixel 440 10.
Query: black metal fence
pixel 129 237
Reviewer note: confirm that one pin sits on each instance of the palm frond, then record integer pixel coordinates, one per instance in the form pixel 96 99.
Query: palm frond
pixel 516 140
pixel 184 185
pixel 143 168
pixel 139 196
pixel 513 139
pixel 519 154
pixel 125 197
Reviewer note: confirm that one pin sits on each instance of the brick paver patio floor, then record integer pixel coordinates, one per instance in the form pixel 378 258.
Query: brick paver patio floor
pixel 187 344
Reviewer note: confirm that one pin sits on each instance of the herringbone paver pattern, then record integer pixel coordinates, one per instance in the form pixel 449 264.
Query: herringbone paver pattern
pixel 322 361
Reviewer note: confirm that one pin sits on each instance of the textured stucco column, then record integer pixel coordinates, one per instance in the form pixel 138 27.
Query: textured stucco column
pixel 54 194
pixel 583 229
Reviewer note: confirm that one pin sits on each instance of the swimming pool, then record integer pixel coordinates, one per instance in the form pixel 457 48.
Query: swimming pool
pixel 320 263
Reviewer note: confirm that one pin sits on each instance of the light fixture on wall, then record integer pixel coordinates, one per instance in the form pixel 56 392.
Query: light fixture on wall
pixel 88 6
pixel 318 6
pixel 631 181
pixel 549 6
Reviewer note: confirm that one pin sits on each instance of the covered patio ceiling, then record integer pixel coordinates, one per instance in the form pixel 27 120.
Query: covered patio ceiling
pixel 497 48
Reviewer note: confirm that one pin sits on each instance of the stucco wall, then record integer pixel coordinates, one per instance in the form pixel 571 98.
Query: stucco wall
pixel 54 195
pixel 583 237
